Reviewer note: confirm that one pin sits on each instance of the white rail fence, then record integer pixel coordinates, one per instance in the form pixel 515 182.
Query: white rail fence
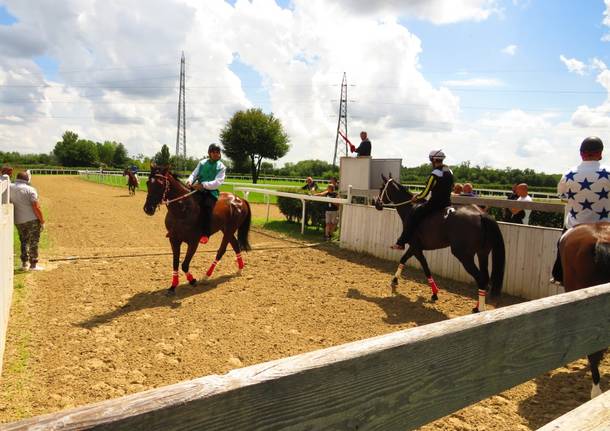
pixel 388 382
pixel 530 250
pixel 6 260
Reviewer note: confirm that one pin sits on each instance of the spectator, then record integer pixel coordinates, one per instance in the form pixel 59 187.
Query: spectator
pixel 29 220
pixel 521 216
pixel 364 149
pixel 457 189
pixel 585 187
pixel 6 170
pixel 512 196
pixel 310 185
pixel 332 212
pixel 335 183
pixel 468 190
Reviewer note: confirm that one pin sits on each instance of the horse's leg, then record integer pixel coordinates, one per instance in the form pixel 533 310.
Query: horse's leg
pixel 175 262
pixel 484 268
pixel 471 268
pixel 190 252
pixel 419 255
pixel 237 250
pixel 594 361
pixel 219 254
pixel 401 265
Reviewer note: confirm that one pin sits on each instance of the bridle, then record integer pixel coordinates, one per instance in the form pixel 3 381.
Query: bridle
pixel 164 201
pixel 390 203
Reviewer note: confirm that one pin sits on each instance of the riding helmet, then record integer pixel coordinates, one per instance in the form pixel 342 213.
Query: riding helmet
pixel 213 147
pixel 436 155
pixel 592 144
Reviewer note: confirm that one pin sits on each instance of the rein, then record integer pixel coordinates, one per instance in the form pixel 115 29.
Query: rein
pixel 391 203
pixel 165 201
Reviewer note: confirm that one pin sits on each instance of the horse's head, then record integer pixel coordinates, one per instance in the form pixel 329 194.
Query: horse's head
pixel 157 187
pixel 392 194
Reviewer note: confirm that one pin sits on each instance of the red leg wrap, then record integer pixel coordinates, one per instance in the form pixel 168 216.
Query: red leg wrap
pixel 433 285
pixel 189 276
pixel 240 262
pixel 212 267
pixel 175 279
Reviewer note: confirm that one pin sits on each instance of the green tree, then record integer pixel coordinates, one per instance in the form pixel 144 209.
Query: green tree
pixel 71 151
pixel 162 157
pixel 253 135
pixel 120 157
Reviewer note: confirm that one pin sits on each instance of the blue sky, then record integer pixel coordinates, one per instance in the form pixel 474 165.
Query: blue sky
pixel 495 82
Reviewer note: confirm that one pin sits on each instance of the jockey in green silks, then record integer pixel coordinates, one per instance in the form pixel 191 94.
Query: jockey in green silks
pixel 207 177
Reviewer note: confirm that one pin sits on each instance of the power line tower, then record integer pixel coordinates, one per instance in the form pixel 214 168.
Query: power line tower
pixel 342 123
pixel 181 132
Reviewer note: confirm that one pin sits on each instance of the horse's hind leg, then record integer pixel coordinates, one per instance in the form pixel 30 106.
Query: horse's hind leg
pixel 221 251
pixel 419 255
pixel 238 257
pixel 401 265
pixel 471 268
pixel 594 361
pixel 190 251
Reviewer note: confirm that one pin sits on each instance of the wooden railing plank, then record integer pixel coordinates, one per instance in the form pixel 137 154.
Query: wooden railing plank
pixel 396 381
pixel 593 415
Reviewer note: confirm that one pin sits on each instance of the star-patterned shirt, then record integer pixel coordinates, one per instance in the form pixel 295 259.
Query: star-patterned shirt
pixel 586 188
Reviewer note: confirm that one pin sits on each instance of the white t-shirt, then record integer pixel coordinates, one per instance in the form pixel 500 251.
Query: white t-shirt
pixel 526 198
pixel 22 198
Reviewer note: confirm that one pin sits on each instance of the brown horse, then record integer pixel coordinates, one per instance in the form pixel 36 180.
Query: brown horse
pixel 183 221
pixel 585 257
pixel 132 181
pixel 468 232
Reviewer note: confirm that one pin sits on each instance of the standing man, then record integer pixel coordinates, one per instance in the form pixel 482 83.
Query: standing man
pixel 310 185
pixel 585 188
pixel 207 177
pixel 440 184
pixel 29 220
pixel 518 215
pixel 364 149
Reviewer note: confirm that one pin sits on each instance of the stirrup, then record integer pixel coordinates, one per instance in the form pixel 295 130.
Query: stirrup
pixel 557 282
pixel 397 247
pixel 204 240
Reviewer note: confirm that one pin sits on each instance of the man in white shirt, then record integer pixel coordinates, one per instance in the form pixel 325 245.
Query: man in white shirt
pixel 585 188
pixel 522 192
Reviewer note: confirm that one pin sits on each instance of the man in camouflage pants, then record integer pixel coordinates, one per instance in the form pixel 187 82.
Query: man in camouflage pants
pixel 29 220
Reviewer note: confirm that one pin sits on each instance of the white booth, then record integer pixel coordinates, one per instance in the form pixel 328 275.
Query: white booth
pixel 364 173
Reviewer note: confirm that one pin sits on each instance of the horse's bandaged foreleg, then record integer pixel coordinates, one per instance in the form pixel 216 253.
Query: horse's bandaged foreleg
pixel 211 269
pixel 432 285
pixel 175 278
pixel 189 277
pixel 240 261
pixel 399 270
pixel 481 301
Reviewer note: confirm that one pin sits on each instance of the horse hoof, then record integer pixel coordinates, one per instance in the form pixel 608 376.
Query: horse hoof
pixel 434 297
pixel 475 310
pixel 238 272
pixel 193 282
pixel 171 291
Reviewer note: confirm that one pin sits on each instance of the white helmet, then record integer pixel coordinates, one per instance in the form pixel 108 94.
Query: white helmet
pixel 436 155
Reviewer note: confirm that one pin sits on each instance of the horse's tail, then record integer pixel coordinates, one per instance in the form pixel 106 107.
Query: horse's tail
pixel 602 259
pixel 494 236
pixel 244 229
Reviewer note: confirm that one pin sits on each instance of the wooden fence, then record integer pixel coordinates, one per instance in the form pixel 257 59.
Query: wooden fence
pixel 6 260
pixel 530 250
pixel 397 381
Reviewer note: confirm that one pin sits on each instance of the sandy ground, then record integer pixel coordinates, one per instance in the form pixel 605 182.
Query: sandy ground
pixel 99 327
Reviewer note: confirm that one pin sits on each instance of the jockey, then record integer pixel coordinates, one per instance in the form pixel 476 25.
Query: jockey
pixel 134 171
pixel 439 184
pixel 585 188
pixel 209 174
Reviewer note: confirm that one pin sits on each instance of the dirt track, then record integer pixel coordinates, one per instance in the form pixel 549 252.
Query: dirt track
pixel 86 330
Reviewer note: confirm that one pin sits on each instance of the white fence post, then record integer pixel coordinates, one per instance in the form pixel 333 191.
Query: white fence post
pixel 6 260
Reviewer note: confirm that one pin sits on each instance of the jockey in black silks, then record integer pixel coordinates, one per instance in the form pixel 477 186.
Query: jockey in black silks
pixel 439 185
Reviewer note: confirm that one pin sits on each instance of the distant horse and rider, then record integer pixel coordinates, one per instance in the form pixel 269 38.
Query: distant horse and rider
pixel 132 181
pixel 184 221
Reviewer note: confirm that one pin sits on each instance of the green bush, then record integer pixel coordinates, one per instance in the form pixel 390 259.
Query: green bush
pixel 293 210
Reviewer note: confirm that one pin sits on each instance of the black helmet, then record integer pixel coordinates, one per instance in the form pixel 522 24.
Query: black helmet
pixel 213 147
pixel 592 144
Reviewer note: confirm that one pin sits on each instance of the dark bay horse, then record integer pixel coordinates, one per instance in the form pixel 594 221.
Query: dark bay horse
pixel 183 221
pixel 132 181
pixel 467 230
pixel 585 257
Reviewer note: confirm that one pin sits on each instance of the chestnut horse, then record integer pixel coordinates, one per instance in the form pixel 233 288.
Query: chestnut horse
pixel 467 230
pixel 585 257
pixel 132 181
pixel 183 221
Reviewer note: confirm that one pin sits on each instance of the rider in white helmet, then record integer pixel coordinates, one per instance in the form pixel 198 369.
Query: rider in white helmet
pixel 439 186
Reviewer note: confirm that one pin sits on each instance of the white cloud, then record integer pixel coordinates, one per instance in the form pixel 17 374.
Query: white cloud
pixel 474 82
pixel 606 21
pixel 573 65
pixel 510 50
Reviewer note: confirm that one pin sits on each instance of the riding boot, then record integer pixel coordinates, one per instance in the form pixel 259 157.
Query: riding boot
pixel 557 270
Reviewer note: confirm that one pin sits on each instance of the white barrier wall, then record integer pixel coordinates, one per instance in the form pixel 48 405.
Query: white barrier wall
pixel 6 262
pixel 530 250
